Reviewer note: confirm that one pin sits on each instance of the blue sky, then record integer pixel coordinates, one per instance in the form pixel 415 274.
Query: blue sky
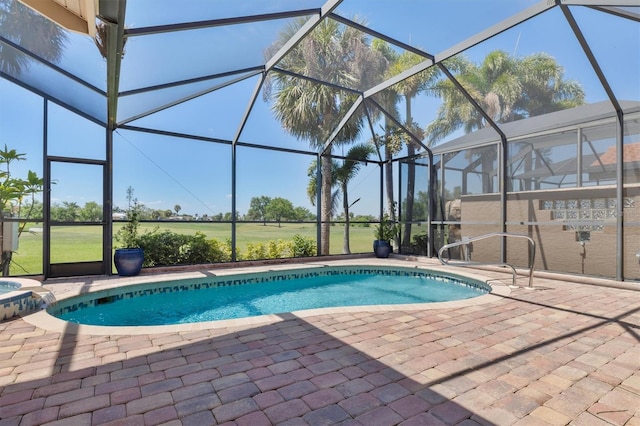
pixel 165 171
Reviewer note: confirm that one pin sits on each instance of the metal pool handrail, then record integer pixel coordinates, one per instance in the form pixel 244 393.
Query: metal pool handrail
pixel 532 253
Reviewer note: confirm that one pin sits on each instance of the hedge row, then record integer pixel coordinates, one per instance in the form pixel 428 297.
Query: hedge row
pixel 168 248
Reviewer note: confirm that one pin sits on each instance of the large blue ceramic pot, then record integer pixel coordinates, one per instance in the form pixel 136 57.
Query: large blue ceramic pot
pixel 382 248
pixel 128 261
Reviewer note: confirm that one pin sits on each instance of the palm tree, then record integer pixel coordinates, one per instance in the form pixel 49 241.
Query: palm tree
pixel 342 173
pixel 355 158
pixel 408 89
pixel 507 89
pixel 394 138
pixel 30 30
pixel 391 143
pixel 310 110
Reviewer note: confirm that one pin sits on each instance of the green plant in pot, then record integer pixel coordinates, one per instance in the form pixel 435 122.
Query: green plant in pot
pixel 129 256
pixel 384 232
pixel 17 200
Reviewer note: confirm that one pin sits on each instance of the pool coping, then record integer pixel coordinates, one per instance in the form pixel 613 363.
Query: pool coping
pixel 42 319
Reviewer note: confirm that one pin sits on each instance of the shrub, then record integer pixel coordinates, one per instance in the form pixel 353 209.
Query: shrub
pixel 255 251
pixel 302 246
pixel 169 248
pixel 419 244
pixel 299 246
pixel 220 251
pixel 277 249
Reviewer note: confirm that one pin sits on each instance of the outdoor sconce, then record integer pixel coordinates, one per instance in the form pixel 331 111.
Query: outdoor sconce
pixel 582 237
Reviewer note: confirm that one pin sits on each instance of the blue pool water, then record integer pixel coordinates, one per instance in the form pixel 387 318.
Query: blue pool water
pixel 276 296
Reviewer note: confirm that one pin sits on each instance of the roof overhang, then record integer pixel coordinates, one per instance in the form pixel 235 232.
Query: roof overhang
pixel 75 15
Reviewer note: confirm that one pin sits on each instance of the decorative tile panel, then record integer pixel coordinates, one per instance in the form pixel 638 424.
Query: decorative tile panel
pixel 585 209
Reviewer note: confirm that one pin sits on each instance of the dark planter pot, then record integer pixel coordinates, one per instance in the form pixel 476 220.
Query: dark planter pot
pixel 128 261
pixel 382 248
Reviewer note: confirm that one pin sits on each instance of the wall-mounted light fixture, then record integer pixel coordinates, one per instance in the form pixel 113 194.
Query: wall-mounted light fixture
pixel 583 236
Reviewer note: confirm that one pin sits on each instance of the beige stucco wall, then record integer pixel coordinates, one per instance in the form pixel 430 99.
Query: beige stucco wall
pixel 557 248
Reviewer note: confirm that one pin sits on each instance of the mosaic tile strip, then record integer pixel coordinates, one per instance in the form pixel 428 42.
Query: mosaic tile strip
pixel 20 304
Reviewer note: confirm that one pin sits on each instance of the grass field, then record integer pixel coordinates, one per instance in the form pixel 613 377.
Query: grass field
pixel 84 243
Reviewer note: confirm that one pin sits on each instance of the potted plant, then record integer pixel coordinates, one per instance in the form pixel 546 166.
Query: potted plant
pixel 129 256
pixel 13 193
pixel 384 232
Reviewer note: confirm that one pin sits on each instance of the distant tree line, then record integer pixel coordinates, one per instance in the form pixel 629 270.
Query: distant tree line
pixel 263 208
pixel 276 209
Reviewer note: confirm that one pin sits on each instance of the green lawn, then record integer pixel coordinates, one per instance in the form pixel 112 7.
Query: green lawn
pixel 82 243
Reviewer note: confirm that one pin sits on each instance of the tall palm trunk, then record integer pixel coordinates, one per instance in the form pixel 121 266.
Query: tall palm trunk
pixel 411 177
pixel 345 204
pixel 388 177
pixel 325 209
pixel 411 183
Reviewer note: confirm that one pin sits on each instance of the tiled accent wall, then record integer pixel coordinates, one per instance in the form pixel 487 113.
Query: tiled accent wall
pixel 21 304
pixel 112 295
pixel 585 209
pixel 556 219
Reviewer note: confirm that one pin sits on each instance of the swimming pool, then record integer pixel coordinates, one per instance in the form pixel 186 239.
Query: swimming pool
pixel 255 294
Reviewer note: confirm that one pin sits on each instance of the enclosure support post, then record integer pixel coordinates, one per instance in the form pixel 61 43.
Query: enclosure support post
pixel 620 196
pixel 107 182
pixel 619 136
pixel 319 205
pixel 432 207
pixel 503 153
pixel 46 194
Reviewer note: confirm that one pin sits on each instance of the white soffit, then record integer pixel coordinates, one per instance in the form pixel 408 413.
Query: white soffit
pixel 75 15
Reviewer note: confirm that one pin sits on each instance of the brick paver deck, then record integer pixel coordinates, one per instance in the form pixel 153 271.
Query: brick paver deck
pixel 565 353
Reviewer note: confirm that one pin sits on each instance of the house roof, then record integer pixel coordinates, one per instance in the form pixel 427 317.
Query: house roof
pixel 540 124
pixel 630 153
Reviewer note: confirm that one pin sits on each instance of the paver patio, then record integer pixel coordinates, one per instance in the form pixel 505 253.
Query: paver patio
pixel 564 353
